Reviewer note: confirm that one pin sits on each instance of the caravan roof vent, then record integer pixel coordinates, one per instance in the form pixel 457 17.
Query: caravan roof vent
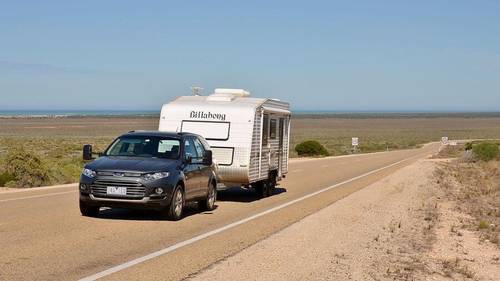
pixel 228 94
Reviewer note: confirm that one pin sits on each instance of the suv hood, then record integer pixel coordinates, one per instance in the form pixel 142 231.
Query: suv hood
pixel 131 164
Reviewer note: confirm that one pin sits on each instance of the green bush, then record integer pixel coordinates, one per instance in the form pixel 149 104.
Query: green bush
pixel 311 148
pixel 486 151
pixel 5 178
pixel 483 225
pixel 468 146
pixel 25 169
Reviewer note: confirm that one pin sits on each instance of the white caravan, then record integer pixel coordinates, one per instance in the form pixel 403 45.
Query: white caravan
pixel 249 137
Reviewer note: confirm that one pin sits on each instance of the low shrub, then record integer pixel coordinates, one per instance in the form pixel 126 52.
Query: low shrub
pixel 5 178
pixel 486 151
pixel 468 146
pixel 25 169
pixel 311 148
pixel 483 225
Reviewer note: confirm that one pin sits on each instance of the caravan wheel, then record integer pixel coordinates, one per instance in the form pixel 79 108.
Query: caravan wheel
pixel 262 188
pixel 272 182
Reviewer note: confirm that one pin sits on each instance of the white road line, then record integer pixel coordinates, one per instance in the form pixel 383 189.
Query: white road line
pixel 37 196
pixel 20 190
pixel 226 227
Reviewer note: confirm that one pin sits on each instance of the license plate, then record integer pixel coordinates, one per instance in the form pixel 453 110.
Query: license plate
pixel 116 190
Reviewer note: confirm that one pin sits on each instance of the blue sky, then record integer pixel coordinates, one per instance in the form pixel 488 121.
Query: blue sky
pixel 319 55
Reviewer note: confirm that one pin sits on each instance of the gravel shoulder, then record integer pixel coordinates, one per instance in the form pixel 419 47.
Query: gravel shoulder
pixel 400 228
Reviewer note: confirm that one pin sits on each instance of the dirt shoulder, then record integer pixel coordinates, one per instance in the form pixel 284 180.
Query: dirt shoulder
pixel 404 227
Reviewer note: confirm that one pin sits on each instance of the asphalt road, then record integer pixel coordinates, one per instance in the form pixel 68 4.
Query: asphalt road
pixel 44 237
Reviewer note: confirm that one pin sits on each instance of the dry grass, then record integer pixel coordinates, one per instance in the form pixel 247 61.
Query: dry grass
pixel 452 267
pixel 58 141
pixel 475 187
pixel 450 151
pixel 378 134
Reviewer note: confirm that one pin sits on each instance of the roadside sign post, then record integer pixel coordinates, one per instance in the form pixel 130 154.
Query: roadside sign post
pixel 355 143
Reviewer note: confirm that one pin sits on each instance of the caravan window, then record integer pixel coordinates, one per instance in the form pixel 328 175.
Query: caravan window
pixel 272 134
pixel 223 155
pixel 207 129
pixel 265 129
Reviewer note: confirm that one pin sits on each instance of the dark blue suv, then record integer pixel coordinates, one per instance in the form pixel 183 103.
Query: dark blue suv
pixel 149 170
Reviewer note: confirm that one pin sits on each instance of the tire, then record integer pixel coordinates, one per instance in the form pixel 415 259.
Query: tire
pixel 208 204
pixel 272 183
pixel 262 189
pixel 176 207
pixel 88 211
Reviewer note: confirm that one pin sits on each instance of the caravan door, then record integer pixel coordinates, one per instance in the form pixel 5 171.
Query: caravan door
pixel 274 143
pixel 281 138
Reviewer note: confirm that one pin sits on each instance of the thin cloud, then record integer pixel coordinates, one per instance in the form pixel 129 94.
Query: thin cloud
pixel 49 69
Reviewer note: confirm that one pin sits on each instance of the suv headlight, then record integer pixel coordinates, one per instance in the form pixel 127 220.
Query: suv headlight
pixel 88 173
pixel 155 176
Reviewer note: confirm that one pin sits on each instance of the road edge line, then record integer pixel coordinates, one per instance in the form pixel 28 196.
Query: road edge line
pixel 28 189
pixel 37 196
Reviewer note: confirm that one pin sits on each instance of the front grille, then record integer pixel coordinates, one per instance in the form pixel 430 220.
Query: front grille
pixel 135 190
pixel 125 174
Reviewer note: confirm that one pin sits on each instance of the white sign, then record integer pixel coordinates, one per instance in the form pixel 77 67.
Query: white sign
pixel 444 140
pixel 355 141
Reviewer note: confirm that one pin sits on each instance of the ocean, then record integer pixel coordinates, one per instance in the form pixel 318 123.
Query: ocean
pixel 297 113
pixel 75 113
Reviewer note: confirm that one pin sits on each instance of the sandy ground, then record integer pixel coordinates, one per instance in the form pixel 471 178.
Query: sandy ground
pixel 400 228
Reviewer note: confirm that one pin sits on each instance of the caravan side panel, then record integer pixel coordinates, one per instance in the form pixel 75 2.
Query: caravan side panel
pixel 229 138
pixel 255 150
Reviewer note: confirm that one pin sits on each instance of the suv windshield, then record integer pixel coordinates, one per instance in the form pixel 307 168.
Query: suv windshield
pixel 144 146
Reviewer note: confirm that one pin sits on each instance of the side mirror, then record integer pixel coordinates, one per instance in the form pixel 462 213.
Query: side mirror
pixel 87 152
pixel 207 158
pixel 189 158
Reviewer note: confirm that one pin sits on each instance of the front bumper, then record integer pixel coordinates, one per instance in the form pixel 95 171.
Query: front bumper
pixel 140 194
pixel 144 203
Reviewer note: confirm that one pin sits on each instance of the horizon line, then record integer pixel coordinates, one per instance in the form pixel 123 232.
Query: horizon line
pixel 293 110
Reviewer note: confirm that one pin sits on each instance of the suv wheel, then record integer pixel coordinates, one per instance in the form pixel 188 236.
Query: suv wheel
pixel 88 211
pixel 208 204
pixel 176 207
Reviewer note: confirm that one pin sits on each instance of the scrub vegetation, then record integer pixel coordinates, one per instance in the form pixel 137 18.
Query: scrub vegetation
pixel 29 161
pixel 53 145
pixel 486 151
pixel 474 184
pixel 391 132
pixel 311 148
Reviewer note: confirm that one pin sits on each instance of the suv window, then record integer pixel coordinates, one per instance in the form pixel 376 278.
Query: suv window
pixel 205 143
pixel 145 146
pixel 199 147
pixel 189 149
pixel 200 150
